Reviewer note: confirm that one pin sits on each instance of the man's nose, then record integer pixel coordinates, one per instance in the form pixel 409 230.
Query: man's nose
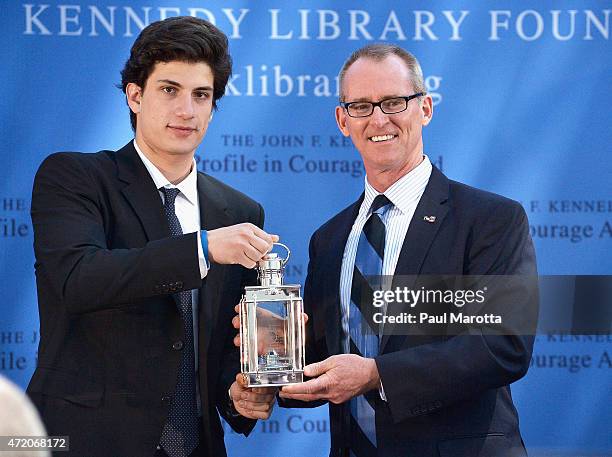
pixel 185 106
pixel 378 117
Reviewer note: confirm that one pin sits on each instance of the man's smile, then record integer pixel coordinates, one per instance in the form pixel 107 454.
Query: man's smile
pixel 380 138
pixel 182 130
pixel 182 127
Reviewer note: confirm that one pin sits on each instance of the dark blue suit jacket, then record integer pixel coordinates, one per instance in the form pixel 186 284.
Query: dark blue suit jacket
pixel 106 269
pixel 447 395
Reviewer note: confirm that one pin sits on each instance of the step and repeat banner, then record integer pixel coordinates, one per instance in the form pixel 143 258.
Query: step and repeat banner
pixel 522 95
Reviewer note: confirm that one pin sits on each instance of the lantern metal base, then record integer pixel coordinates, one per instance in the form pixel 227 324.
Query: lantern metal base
pixel 274 378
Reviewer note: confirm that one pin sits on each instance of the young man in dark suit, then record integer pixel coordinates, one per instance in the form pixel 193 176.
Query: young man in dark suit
pixel 433 394
pixel 140 260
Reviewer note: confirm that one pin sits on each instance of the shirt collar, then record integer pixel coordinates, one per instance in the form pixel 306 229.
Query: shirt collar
pixel 188 186
pixel 403 193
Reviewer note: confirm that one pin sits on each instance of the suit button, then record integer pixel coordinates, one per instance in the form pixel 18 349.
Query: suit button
pixel 177 346
pixel 179 284
pixel 164 288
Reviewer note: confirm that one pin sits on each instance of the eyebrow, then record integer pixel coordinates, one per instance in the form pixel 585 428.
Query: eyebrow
pixel 365 99
pixel 177 84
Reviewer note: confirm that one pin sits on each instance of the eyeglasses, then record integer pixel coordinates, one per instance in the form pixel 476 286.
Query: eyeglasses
pixel 388 106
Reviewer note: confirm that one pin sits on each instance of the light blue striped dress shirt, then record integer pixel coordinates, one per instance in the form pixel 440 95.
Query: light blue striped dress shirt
pixel 405 195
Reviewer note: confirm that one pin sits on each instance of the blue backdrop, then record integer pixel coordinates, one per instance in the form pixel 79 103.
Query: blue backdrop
pixel 522 108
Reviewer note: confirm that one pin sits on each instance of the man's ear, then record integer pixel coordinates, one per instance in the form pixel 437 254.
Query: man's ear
pixel 427 107
pixel 133 93
pixel 341 120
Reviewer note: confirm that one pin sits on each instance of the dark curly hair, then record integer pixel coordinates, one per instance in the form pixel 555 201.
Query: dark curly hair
pixel 183 38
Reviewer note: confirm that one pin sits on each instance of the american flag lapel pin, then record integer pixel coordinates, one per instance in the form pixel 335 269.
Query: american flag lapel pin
pixel 430 219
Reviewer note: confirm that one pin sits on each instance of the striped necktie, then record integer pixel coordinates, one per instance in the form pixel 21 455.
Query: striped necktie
pixel 180 434
pixel 363 332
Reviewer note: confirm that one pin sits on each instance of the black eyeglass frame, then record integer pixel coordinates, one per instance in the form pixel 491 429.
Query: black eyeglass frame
pixel 407 98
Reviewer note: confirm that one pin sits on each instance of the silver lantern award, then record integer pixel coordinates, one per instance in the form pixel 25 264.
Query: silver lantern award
pixel 272 327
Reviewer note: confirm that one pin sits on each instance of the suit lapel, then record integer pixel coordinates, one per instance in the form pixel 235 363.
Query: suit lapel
pixel 427 220
pixel 143 197
pixel 214 213
pixel 141 193
pixel 335 252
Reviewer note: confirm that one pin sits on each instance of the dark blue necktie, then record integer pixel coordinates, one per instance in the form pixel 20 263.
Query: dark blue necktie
pixel 180 435
pixel 363 332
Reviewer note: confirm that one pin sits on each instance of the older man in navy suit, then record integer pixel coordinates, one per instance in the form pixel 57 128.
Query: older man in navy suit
pixel 405 395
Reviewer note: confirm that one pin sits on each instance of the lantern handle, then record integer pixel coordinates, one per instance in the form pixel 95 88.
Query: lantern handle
pixel 286 259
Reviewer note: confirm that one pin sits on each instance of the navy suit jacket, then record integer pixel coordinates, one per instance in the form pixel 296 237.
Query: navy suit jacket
pixel 446 395
pixel 106 269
